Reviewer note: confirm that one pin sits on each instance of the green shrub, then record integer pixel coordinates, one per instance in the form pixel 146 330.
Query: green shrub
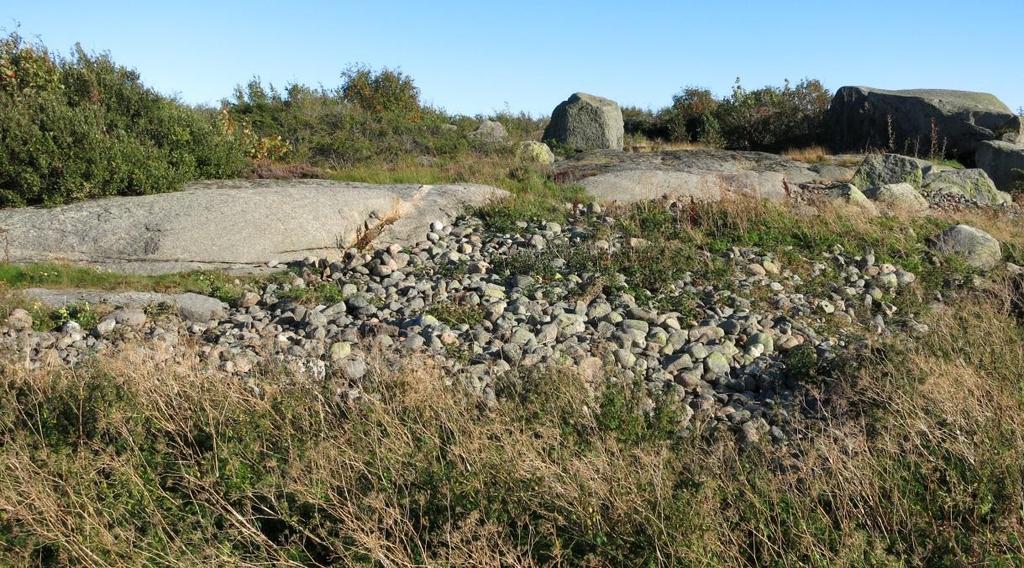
pixel 82 126
pixel 692 117
pixel 372 116
pixel 770 118
pixel 773 118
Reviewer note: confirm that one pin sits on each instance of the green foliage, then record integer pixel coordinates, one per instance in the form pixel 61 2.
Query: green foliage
pixel 451 313
pixel 374 116
pixel 693 117
pixel 82 126
pixel 381 92
pixel 769 118
pixel 82 314
pixel 534 197
pixel 325 293
pixel 220 285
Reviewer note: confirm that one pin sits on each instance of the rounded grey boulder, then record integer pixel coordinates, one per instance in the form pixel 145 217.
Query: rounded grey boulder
pixel 586 122
pixel 978 248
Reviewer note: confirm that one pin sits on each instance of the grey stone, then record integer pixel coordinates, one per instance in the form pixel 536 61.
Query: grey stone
pixel 340 350
pixel 702 174
pixel 353 368
pixel 974 184
pixel 716 365
pixel 883 169
pixel 129 317
pixel 863 118
pixel 534 152
pixel 586 122
pixel 490 131
pixel 899 197
pixel 848 195
pixel 105 326
pixel 1003 162
pixel 976 247
pixel 19 320
pixel 199 308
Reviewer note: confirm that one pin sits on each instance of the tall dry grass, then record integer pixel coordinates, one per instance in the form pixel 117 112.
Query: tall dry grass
pixel 916 458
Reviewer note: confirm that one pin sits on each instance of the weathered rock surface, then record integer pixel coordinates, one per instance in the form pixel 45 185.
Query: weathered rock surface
pixel 863 118
pixel 232 223
pixel 978 248
pixel 701 175
pixel 973 184
pixel 586 122
pixel 1003 162
pixel 883 169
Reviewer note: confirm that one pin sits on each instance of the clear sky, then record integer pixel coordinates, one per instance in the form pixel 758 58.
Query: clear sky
pixel 479 56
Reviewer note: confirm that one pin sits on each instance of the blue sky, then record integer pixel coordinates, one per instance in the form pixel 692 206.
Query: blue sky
pixel 478 57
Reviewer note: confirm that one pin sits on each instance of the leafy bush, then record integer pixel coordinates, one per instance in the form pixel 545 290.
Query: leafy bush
pixel 774 118
pixel 692 117
pixel 372 116
pixel 770 118
pixel 82 126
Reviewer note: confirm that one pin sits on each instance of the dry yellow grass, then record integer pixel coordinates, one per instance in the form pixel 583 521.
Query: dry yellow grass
pixel 919 461
pixel 810 154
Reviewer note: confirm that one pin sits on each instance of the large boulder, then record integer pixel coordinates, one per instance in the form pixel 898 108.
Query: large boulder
pixel 586 122
pixel 883 169
pixel 863 118
pixel 976 247
pixel 1003 162
pixel 232 223
pixel 974 184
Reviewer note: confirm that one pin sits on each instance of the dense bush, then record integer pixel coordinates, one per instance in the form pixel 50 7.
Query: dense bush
pixel 373 115
pixel 770 118
pixel 82 126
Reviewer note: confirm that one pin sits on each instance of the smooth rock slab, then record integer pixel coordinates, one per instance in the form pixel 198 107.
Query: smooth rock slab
pixel 701 175
pixel 231 223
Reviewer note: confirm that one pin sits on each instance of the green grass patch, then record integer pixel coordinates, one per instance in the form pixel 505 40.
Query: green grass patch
pixel 225 287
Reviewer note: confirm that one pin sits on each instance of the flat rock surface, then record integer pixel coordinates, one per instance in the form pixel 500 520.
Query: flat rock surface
pixel 230 223
pixel 701 174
